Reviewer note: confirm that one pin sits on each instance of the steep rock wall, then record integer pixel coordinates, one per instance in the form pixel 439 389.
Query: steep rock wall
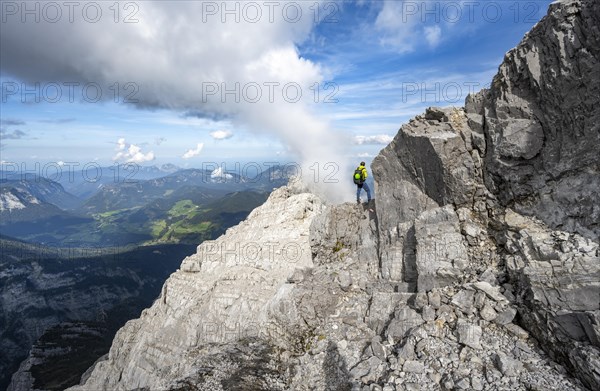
pixel 541 121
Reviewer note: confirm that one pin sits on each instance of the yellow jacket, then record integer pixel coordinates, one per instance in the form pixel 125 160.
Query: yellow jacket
pixel 364 171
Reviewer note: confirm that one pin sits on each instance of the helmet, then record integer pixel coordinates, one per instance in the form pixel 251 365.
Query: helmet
pixel 362 163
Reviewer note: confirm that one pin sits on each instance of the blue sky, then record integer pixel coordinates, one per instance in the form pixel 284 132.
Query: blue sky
pixel 375 65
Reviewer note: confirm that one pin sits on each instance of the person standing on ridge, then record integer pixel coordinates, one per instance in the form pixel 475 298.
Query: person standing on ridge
pixel 360 177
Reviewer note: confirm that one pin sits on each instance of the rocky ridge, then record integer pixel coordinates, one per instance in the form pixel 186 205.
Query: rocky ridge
pixel 478 269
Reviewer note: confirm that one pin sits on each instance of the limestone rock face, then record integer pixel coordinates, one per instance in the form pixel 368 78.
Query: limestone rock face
pixel 557 275
pixel 541 121
pixel 221 294
pixel 473 269
pixel 428 165
pixel 441 251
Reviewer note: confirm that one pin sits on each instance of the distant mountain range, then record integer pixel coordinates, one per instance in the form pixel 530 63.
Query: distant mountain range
pixel 37 190
pixel 34 200
pixel 173 205
pixel 85 183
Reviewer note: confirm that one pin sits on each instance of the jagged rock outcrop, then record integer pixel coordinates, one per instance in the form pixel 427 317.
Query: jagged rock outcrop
pixel 474 269
pixel 557 282
pixel 541 121
pixel 224 293
pixel 429 190
pixel 428 165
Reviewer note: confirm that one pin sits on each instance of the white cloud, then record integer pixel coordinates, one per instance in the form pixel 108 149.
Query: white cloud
pixel 170 67
pixel 382 139
pixel 131 153
pixel 190 153
pixel 121 144
pixel 397 27
pixel 433 35
pixel 163 57
pixel 405 25
pixel 221 134
pixel 364 155
pixel 219 173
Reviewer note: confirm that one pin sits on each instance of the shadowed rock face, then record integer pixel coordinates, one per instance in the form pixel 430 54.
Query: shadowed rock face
pixel 541 121
pixel 475 268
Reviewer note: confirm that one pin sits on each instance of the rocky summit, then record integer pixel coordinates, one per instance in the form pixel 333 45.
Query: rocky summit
pixel 476 268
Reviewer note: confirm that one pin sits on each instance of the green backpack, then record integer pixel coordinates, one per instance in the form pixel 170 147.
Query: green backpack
pixel 358 176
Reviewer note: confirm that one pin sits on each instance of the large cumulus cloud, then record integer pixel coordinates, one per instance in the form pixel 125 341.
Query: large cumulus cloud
pixel 177 54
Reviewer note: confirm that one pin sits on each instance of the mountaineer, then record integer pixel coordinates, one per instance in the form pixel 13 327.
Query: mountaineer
pixel 360 176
